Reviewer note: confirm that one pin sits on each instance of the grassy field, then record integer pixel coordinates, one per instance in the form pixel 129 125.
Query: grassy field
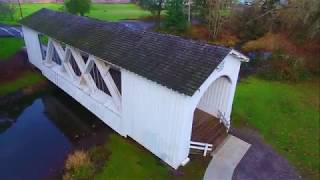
pixel 286 115
pixel 25 80
pixel 141 164
pixel 110 12
pixel 9 46
pixel 138 163
pixel 121 158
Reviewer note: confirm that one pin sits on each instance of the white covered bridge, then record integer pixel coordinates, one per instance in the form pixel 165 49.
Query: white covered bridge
pixel 167 93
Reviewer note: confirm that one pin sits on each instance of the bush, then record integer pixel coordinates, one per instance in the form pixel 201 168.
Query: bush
pixel 78 6
pixel 283 67
pixel 78 166
pixel 243 23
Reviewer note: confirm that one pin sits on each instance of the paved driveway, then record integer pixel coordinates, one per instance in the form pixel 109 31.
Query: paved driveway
pixel 261 162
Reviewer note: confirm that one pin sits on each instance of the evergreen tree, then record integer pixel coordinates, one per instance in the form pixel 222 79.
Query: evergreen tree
pixel 78 6
pixel 154 6
pixel 176 18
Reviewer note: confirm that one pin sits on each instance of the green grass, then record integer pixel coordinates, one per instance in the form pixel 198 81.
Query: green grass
pixel 121 158
pixel 115 12
pixel 110 12
pixel 25 80
pixel 127 161
pixel 9 46
pixel 286 115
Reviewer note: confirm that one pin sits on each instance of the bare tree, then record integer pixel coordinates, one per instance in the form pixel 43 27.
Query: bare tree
pixel 303 16
pixel 215 16
pixel 7 10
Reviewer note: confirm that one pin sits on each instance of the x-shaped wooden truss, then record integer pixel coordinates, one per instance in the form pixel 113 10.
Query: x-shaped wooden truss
pixel 85 80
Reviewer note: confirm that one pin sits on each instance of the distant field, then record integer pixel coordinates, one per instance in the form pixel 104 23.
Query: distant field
pixel 110 12
pixel 287 117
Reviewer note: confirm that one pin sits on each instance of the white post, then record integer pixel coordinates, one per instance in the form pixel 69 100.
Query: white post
pixel 205 150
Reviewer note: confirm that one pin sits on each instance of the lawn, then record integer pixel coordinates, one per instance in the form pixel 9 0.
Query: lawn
pixel 127 161
pixel 9 46
pixel 286 115
pixel 141 164
pixel 110 12
pixel 122 158
pixel 25 80
pixel 115 12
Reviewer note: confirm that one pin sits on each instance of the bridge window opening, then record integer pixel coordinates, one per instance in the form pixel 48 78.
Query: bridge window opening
pixel 74 66
pixel 55 57
pixel 85 57
pixel 116 76
pixel 43 41
pixel 63 45
pixel 96 76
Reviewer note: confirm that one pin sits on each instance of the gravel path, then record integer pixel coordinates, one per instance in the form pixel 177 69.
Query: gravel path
pixel 261 162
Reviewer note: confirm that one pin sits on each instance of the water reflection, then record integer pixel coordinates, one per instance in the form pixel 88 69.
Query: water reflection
pixel 36 143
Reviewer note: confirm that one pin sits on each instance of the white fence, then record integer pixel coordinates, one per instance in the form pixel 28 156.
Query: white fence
pixel 201 146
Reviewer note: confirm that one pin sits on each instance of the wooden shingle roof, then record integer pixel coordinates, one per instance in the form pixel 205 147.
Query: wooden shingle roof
pixel 177 63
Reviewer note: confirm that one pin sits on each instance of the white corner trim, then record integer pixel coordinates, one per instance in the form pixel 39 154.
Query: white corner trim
pixel 239 55
pixel 185 161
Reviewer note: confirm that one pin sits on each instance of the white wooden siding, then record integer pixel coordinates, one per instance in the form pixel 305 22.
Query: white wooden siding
pixel 32 43
pixel 155 117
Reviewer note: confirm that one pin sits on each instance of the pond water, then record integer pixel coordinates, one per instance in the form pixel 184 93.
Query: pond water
pixel 37 133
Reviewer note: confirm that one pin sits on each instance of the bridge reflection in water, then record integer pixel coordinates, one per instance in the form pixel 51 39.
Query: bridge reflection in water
pixel 43 133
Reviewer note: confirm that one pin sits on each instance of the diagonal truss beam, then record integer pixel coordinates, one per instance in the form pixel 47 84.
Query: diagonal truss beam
pixel 107 78
pixel 49 53
pixel 85 69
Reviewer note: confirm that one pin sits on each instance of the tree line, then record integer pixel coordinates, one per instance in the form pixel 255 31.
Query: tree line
pixel 300 17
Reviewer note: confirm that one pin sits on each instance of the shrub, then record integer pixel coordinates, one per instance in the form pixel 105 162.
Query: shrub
pixel 283 67
pixel 78 6
pixel 198 32
pixel 226 39
pixel 78 166
pixel 243 23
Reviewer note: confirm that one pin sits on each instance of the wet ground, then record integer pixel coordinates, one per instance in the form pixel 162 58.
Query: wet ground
pixel 38 132
pixel 261 162
pixel 10 31
pixel 14 67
